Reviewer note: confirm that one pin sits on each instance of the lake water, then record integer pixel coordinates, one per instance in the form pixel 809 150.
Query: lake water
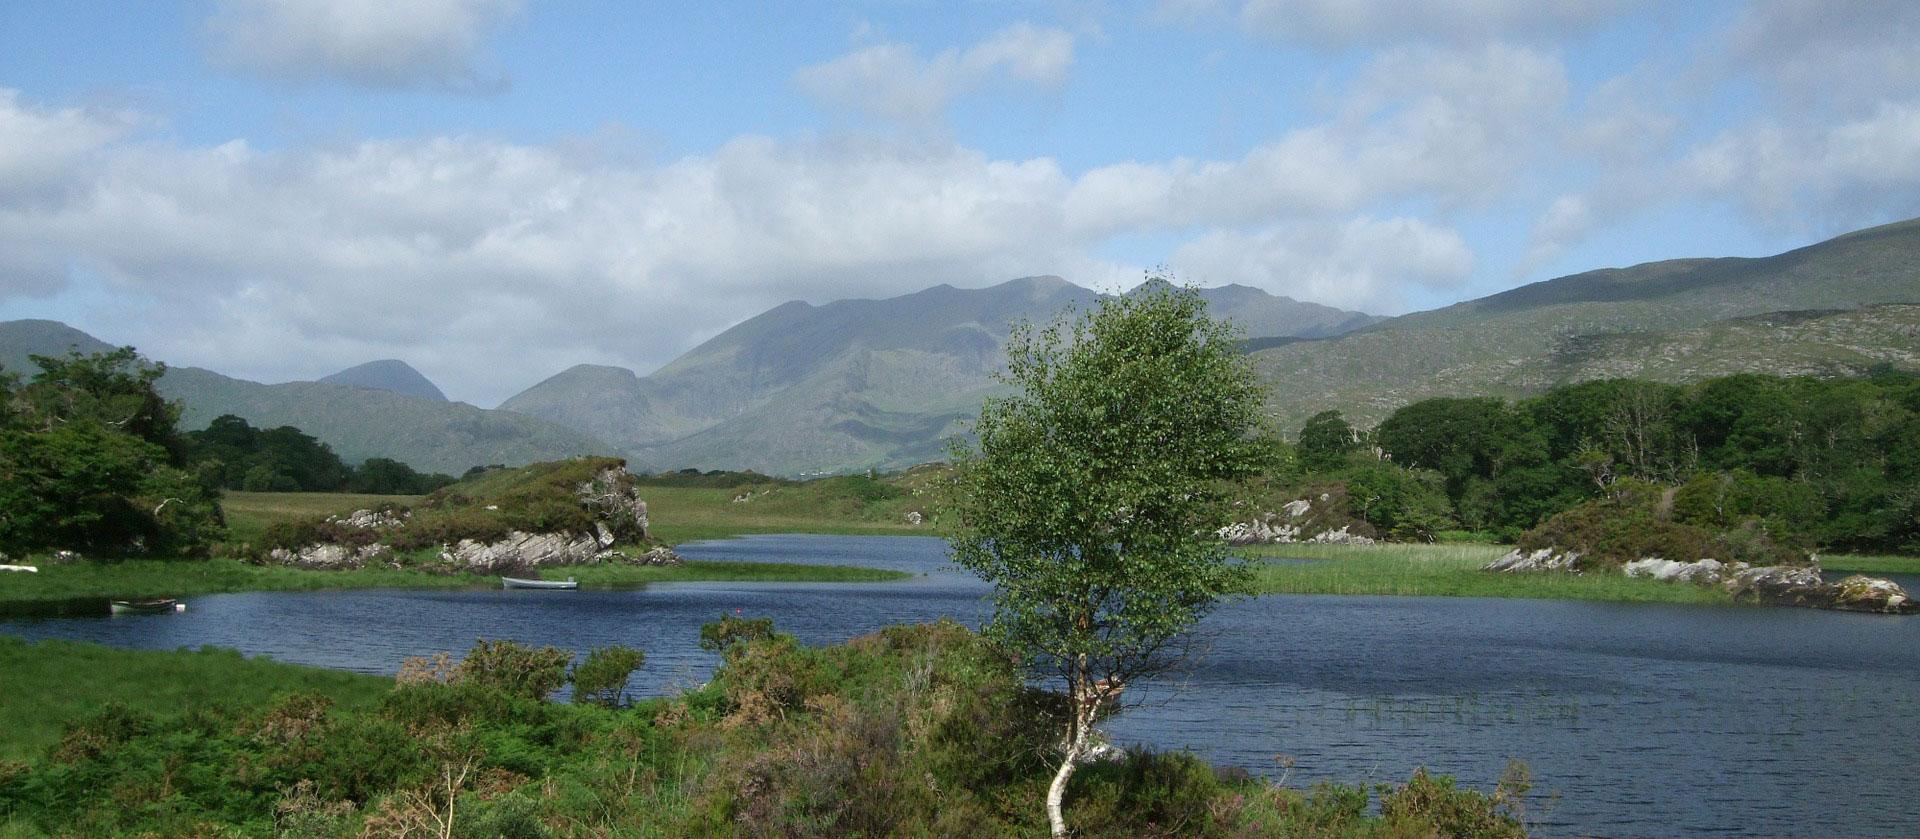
pixel 1646 720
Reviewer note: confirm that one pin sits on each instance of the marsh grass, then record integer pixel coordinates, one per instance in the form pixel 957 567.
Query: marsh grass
pixel 1867 564
pixel 1446 570
pixel 49 682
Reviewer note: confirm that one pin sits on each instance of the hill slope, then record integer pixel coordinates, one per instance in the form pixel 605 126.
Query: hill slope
pixel 429 435
pixel 848 385
pixel 1618 322
pixel 388 374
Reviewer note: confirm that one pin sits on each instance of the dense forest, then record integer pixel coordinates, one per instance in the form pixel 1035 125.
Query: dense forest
pixel 285 459
pixel 1834 463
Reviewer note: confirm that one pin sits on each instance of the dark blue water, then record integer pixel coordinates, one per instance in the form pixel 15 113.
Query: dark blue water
pixel 1647 720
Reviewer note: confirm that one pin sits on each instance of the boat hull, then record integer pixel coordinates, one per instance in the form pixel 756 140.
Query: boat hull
pixel 516 582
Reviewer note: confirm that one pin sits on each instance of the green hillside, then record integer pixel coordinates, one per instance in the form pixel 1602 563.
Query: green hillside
pixel 1676 321
pixel 357 422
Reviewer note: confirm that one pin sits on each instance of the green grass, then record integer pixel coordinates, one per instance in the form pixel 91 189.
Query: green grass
pixel 1447 570
pixel 681 514
pixel 1859 564
pixel 52 681
pixel 174 578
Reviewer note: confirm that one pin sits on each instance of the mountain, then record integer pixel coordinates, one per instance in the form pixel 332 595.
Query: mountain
pixel 431 435
pixel 388 374
pixel 1674 320
pixel 851 384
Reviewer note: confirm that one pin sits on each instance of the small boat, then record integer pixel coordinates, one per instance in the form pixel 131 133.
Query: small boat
pixel 520 582
pixel 146 607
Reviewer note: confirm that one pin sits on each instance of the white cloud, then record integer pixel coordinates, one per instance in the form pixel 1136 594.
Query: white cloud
pixel 1456 126
pixel 417 43
pixel 891 82
pixel 1821 177
pixel 1362 264
pixel 1343 23
pixel 1820 55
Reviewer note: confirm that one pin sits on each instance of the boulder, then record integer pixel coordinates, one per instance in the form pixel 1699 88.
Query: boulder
pixel 1544 559
pixel 614 498
pixel 520 550
pixel 1860 593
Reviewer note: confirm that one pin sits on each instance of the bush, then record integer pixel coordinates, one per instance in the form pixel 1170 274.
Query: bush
pixel 515 670
pixel 602 677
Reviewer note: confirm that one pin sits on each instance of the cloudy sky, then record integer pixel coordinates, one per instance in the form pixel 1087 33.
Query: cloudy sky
pixel 494 190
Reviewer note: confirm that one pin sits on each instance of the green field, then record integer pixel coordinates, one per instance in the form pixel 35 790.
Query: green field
pixel 681 514
pixel 250 513
pixel 1861 564
pixel 1446 570
pixel 52 681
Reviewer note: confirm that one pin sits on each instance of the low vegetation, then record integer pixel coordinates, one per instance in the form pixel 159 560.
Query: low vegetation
pixel 1444 570
pixel 922 731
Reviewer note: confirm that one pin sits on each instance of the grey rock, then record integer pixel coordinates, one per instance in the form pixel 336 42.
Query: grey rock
pixel 1703 572
pixel 521 549
pixel 1544 559
pixel 328 556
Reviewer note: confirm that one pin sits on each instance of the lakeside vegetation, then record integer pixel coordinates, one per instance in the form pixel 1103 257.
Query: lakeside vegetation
pixel 923 731
pixel 1446 570
pixel 52 682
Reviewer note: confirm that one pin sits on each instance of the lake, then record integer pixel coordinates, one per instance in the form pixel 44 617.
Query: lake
pixel 1646 719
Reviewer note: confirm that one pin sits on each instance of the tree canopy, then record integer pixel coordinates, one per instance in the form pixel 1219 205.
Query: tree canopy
pixel 1092 495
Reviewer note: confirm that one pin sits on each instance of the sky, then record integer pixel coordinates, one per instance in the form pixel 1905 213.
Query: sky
pixel 496 190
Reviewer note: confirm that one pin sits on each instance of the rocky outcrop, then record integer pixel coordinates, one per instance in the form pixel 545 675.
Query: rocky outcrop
pixel 1793 586
pixel 615 504
pixel 1545 559
pixel 1782 585
pixel 1703 572
pixel 328 556
pixel 1294 523
pixel 521 550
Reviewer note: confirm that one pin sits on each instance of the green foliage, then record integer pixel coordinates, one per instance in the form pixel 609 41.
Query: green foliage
pixel 516 670
pixel 1091 497
pixel 238 456
pixel 1325 441
pixel 730 630
pixel 1636 520
pixel 602 677
pixel 90 461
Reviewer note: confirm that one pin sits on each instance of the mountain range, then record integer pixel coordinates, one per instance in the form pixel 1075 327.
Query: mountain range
pixel 852 384
pixel 858 384
pixel 358 421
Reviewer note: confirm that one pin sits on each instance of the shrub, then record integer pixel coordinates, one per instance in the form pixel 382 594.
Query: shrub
pixel 721 635
pixel 602 677
pixel 515 670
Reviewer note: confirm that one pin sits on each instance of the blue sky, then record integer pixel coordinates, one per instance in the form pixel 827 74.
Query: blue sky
pixel 493 190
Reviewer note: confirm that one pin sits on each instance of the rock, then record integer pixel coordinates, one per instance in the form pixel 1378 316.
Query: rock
pixel 1296 509
pixel 521 549
pixel 327 556
pixel 367 520
pixel 661 556
pixel 1860 593
pixel 914 518
pixel 1544 559
pixel 1340 537
pixel 1703 572
pixel 64 557
pixel 612 496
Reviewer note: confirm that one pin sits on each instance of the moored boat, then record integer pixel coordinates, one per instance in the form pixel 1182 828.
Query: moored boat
pixel 145 607
pixel 521 582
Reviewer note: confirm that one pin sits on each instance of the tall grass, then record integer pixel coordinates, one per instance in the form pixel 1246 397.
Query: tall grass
pixel 50 682
pixel 1447 570
pixel 681 514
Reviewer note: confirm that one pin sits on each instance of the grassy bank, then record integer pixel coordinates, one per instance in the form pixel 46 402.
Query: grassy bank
pixel 249 514
pixel 51 682
pixel 145 578
pixel 1446 570
pixel 1865 564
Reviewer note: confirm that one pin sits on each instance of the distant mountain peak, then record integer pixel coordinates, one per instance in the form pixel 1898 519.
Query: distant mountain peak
pixel 390 374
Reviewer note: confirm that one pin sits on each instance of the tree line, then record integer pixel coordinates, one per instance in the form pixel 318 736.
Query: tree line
pixel 1832 461
pixel 92 459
